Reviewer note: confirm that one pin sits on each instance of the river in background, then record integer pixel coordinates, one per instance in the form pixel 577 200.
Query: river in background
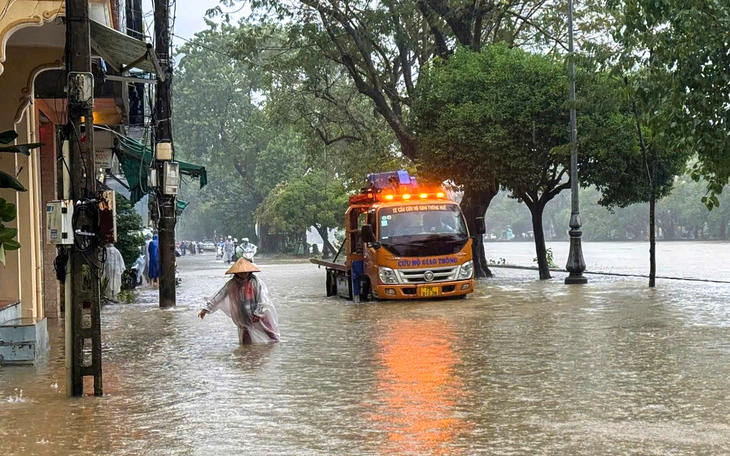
pixel 691 259
pixel 521 367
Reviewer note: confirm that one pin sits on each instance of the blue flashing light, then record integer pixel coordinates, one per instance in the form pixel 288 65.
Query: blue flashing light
pixel 403 177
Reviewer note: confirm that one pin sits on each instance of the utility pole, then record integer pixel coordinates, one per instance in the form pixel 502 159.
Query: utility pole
pixel 576 264
pixel 84 253
pixel 166 202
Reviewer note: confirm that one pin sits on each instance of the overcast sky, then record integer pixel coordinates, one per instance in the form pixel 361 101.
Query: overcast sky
pixel 189 18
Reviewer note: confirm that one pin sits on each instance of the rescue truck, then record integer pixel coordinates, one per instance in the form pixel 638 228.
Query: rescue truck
pixel 402 241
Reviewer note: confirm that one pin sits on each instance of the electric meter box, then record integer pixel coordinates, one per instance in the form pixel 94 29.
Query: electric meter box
pixel 152 178
pixel 170 178
pixel 59 220
pixel 80 89
pixel 163 151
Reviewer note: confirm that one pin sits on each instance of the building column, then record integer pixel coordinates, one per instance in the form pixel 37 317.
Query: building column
pixel 48 180
pixel 30 286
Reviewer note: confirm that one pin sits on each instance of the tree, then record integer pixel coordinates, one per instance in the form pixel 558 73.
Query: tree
pixel 645 172
pixel 506 110
pixel 298 204
pixel 384 47
pixel 681 48
pixel 220 121
pixel 129 231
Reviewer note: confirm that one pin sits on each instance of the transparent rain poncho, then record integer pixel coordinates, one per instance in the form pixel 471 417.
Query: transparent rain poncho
pixel 113 269
pixel 242 300
pixel 140 264
pixel 228 251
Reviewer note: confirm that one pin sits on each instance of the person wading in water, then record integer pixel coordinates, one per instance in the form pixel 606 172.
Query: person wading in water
pixel 245 299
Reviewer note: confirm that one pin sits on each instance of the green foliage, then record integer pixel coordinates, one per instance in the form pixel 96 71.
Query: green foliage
pixel 129 231
pixel 630 177
pixel 681 49
pixel 550 259
pixel 9 136
pixel 304 202
pixel 8 181
pixel 257 122
pixel 7 210
pixel 126 297
pixel 503 112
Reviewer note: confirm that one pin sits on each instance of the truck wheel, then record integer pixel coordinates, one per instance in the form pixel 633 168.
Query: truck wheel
pixel 366 292
pixel 331 284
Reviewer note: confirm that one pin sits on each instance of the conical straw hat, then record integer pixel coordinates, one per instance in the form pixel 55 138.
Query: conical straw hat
pixel 242 265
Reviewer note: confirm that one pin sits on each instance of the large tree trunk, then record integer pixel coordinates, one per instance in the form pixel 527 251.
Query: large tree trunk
pixel 540 250
pixel 327 249
pixel 652 239
pixel 474 204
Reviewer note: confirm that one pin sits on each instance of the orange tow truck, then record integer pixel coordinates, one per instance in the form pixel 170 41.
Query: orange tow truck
pixel 402 241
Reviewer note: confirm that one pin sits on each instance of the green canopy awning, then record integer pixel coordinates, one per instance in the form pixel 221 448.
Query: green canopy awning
pixel 135 159
pixel 181 206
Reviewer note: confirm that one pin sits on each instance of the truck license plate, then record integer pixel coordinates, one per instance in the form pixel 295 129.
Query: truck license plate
pixel 429 291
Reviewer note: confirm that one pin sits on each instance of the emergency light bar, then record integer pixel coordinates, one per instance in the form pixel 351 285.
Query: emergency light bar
pixel 393 186
pixel 367 197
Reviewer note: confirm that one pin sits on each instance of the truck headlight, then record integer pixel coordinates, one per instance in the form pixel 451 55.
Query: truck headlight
pixel 387 275
pixel 466 271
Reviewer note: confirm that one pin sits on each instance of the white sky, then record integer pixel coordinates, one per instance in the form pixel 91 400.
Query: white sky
pixel 189 18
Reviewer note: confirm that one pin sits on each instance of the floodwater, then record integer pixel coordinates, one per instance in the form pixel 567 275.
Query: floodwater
pixel 692 259
pixel 521 367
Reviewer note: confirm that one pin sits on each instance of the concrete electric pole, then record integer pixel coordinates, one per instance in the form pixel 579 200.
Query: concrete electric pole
pixel 85 271
pixel 166 172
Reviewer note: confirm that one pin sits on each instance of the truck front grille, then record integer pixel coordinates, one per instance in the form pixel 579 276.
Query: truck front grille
pixel 417 275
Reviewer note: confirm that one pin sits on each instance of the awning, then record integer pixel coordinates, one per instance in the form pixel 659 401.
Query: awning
pixel 181 206
pixel 122 51
pixel 135 159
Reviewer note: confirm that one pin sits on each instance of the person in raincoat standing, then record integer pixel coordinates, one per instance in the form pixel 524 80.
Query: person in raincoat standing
pixel 112 271
pixel 245 299
pixel 153 269
pixel 228 250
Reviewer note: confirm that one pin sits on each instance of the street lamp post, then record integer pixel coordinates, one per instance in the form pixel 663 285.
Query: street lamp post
pixel 576 264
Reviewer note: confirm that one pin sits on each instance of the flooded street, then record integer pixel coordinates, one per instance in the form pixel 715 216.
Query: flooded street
pixel 521 367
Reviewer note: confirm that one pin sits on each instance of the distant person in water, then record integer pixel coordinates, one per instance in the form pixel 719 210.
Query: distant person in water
pixel 154 262
pixel 245 299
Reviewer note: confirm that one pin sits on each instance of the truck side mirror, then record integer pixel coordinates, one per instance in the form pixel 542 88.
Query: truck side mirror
pixel 481 226
pixel 367 233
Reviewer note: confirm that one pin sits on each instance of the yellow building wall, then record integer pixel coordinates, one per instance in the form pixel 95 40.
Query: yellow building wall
pixel 21 278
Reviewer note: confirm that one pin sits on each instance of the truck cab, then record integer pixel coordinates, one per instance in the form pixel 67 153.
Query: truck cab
pixel 403 242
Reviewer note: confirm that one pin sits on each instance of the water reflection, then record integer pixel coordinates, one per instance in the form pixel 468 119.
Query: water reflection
pixel 418 388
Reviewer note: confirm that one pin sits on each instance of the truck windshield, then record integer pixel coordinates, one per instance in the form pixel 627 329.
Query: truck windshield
pixel 421 230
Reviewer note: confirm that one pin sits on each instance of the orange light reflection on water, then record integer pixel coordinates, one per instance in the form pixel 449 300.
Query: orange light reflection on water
pixel 417 390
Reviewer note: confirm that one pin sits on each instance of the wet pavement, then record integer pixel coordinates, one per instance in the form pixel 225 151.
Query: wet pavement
pixel 521 367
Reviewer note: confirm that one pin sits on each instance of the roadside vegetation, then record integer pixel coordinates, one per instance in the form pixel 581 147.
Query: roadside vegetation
pixel 290 109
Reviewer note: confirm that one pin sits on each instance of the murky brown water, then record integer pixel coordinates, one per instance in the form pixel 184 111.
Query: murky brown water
pixel 521 368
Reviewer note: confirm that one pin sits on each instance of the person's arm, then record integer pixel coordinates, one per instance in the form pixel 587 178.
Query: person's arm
pixel 216 302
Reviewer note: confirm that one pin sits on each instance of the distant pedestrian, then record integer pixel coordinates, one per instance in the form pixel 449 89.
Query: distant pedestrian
pixel 147 259
pixel 245 299
pixel 139 265
pixel 154 261
pixel 228 250
pixel 184 248
pixel 112 272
